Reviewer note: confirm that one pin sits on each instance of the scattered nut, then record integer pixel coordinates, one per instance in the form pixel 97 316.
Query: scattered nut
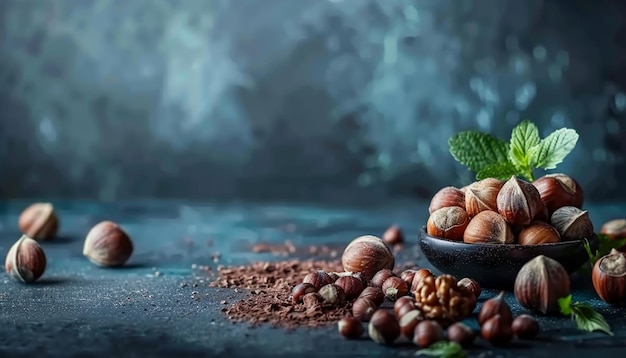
pixel 394 288
pixel 39 221
pixel 427 333
pixel 383 327
pixel 373 293
pixel 107 244
pixel 401 302
pixel 363 309
pixel 461 334
pixel 318 279
pixel 614 229
pixel 408 276
pixel 525 327
pixel 540 283
pixel 409 321
pixel 351 285
pixel 26 260
pixel 393 236
pixel 333 294
pixel 350 328
pixel 609 278
pixel 300 290
pixel 497 330
pixel 380 277
pixel 312 299
pixel 470 284
pixel 367 254
pixel 495 306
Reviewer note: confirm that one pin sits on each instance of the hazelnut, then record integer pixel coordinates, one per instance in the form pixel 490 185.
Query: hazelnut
pixel 373 293
pixel 393 236
pixel 380 277
pixel 609 278
pixel 448 196
pixel 497 330
pixel 401 302
pixel 419 276
pixel 333 294
pixel 519 202
pixel 333 276
pixel 558 190
pixel 312 299
pixel 538 232
pixel 488 227
pixel 470 284
pixel 614 229
pixel 26 260
pixel 363 309
pixel 409 321
pixel 495 306
pixel 525 327
pixel 427 333
pixel 383 327
pixel 481 195
pixel 318 279
pixel 461 334
pixel 107 244
pixel 350 328
pixel 39 221
pixel 300 290
pixel 351 285
pixel 572 223
pixel 540 283
pixel 407 276
pixel 448 223
pixel 367 254
pixel 394 288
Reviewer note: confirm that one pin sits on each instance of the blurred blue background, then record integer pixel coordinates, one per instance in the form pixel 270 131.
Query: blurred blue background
pixel 336 101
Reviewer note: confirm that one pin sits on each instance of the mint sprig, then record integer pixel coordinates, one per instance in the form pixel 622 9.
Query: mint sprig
pixel 586 318
pixel 605 245
pixel 489 156
pixel 443 349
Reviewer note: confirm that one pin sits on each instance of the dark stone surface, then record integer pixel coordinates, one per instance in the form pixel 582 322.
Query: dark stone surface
pixel 151 308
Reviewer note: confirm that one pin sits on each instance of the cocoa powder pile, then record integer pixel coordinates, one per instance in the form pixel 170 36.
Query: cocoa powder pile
pixel 269 300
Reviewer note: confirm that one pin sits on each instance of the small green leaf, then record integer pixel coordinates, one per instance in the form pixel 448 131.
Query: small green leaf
pixel 502 171
pixel 606 245
pixel 478 150
pixel 553 149
pixel 523 138
pixel 443 349
pixel 564 305
pixel 587 319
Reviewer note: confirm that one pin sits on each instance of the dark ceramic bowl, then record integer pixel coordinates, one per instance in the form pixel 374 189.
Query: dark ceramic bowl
pixel 496 266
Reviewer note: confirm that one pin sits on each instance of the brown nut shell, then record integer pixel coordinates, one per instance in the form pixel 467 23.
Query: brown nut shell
pixel 107 244
pixel 351 285
pixel 558 190
pixel 470 284
pixel 380 277
pixel 408 276
pixel 426 333
pixel 495 306
pixel 540 283
pixel 572 223
pixel 395 287
pixel 519 202
pixel 419 276
pixel 375 294
pixel 497 331
pixel 26 260
pixel 300 290
pixel 538 232
pixel 39 221
pixel 363 309
pixel 445 197
pixel 461 334
pixel 448 223
pixel 350 328
pixel 488 227
pixel 333 294
pixel 402 301
pixel 481 195
pixel 609 278
pixel 318 279
pixel 409 321
pixel 614 229
pixel 367 254
pixel 525 327
pixel 393 236
pixel 383 327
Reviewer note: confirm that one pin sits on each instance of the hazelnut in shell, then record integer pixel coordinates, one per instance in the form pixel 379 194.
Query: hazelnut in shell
pixel 375 294
pixel 481 195
pixel 558 190
pixel 367 254
pixel 445 197
pixel 409 321
pixel 107 245
pixel 448 223
pixel 383 327
pixel 461 334
pixel 471 285
pixel 495 306
pixel 419 276
pixel 393 236
pixel 26 260
pixel 380 277
pixel 350 328
pixel 609 278
pixel 39 221
pixel 395 287
pixel 426 333
pixel 538 232
pixel 407 276
pixel 318 279
pixel 300 290
pixel 333 294
pixel 540 283
pixel 614 229
pixel 572 223
pixel 488 227
pixel 351 285
pixel 519 202
pixel 363 309
pixel 497 330
pixel 401 302
pixel 525 327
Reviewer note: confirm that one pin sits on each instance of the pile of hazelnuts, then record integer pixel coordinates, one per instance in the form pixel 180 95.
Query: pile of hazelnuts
pixel 106 244
pixel 491 211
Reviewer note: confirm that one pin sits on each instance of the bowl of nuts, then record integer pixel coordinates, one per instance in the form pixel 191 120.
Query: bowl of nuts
pixel 489 229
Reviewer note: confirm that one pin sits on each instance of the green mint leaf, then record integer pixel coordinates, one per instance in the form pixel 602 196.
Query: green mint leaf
pixel 592 257
pixel 523 139
pixel 478 150
pixel 606 245
pixel 443 349
pixel 553 149
pixel 564 305
pixel 502 171
pixel 588 319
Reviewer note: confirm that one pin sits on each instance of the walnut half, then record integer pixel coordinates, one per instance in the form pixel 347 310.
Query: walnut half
pixel 442 300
